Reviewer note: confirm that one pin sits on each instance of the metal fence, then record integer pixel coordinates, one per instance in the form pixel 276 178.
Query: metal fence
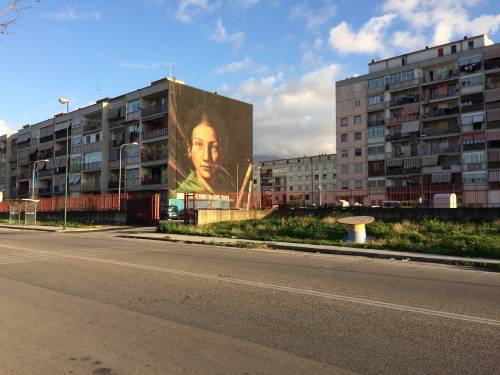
pixel 109 202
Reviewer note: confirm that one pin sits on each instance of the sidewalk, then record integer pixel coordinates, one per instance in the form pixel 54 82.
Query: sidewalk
pixel 48 228
pixel 325 249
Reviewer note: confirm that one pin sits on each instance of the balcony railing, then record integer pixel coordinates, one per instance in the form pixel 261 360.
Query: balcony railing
pixel 403 84
pixel 441 112
pixel 438 130
pixel 441 93
pixel 399 119
pixel 45 173
pixel 94 166
pixel 404 100
pixel 475 166
pixel 93 186
pixel 153 180
pixel 61 152
pixel 431 151
pixel 133 116
pixel 473 107
pixel 26 175
pixel 113 164
pixel 96 146
pixel 116 123
pixel 76 149
pixel 157 133
pixel 132 160
pixel 154 110
pixel 376 122
pixel 153 156
pixel 446 75
pixel 116 142
pixel 91 125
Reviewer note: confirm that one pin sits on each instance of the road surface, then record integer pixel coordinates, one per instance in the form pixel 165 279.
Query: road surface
pixel 95 303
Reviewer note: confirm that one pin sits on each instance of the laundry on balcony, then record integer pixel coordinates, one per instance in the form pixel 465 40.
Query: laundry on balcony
pixel 430 161
pixel 438 178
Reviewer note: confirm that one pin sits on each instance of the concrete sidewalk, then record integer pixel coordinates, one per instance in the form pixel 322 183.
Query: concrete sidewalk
pixel 48 228
pixel 326 249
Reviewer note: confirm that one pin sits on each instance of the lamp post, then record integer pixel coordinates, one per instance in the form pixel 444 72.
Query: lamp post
pixel 120 172
pixel 66 101
pixel 33 176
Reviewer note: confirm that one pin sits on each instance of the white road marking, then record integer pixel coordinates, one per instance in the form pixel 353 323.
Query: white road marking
pixel 338 297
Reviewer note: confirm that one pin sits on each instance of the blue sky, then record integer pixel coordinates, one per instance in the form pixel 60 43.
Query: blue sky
pixel 281 55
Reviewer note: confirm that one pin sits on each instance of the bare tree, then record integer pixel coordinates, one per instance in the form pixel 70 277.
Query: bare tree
pixel 11 13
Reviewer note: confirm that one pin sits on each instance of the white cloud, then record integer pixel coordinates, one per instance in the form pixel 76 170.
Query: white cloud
pixel 293 117
pixel 245 64
pixel 188 10
pixel 69 14
pixel 368 39
pixel 314 18
pixel 220 35
pixel 5 128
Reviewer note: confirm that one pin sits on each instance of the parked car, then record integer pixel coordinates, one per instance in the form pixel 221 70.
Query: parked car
pixel 173 212
pixel 391 204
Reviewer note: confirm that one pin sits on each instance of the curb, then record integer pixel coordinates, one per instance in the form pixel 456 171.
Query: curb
pixel 64 231
pixel 493 265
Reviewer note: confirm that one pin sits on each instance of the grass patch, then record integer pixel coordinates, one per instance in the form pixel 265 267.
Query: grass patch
pixel 431 236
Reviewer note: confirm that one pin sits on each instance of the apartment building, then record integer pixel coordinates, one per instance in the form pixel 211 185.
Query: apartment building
pixel 133 125
pixel 308 180
pixel 427 121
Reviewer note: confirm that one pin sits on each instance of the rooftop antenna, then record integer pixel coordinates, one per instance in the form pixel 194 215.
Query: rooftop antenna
pixel 170 65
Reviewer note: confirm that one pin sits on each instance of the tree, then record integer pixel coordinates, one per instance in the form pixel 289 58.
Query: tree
pixel 11 13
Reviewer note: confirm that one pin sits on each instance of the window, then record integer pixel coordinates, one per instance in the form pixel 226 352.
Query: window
pixel 342 91
pixel 357 136
pixel 306 168
pixel 343 106
pixel 375 132
pixel 357 120
pixel 356 87
pixel 376 150
pixel 343 138
pixel 358 168
pixel 345 185
pixel 358 184
pixel 299 178
pixel 356 103
pixel 76 140
pixel 440 52
pixel 290 179
pixel 343 122
pixel 471 44
pixel 133 106
pixel 324 176
pixel 453 49
pixel 373 100
pixel 345 168
pixel 471 81
pixel 291 188
pixel 476 157
pixel 290 169
pixel 376 82
pixel 316 177
pixel 344 153
pixel 357 152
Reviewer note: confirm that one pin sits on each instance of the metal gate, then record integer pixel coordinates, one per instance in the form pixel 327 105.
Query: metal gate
pixel 143 210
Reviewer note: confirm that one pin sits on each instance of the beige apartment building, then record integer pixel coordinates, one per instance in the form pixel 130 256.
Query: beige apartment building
pixel 93 136
pixel 307 180
pixel 422 123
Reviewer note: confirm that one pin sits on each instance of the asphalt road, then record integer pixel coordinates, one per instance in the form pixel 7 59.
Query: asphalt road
pixel 97 304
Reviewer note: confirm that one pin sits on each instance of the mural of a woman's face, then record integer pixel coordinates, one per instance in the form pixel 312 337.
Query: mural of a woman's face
pixel 204 151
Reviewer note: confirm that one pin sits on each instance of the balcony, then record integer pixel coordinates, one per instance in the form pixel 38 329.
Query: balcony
pixel 480 166
pixel 153 156
pixel 403 100
pixel 89 147
pixel 132 160
pixel 153 180
pixel 59 189
pixel 91 167
pixel 154 134
pixel 404 84
pixel 133 116
pixel 76 149
pixel 91 125
pixel 75 188
pixel 92 186
pixel 25 175
pixel 44 190
pixel 471 67
pixel 113 185
pixel 116 123
pixel 436 113
pixel 114 164
pixel 473 107
pixel 441 93
pixel 154 110
pixel 61 134
pixel 376 122
pixel 437 131
pixel 399 119
pixel 403 171
pixel 116 143
pixel 444 76
pixel 59 153
pixel 45 173
pixel 432 151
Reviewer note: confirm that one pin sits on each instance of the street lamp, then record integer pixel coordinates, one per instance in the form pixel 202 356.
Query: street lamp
pixel 120 172
pixel 33 176
pixel 66 101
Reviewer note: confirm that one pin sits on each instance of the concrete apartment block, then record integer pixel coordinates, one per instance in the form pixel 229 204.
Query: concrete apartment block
pixel 432 124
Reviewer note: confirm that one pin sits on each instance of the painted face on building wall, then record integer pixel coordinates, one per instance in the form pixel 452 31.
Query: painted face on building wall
pixel 204 152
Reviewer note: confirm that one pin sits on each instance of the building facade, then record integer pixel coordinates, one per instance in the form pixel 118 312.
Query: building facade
pixel 422 123
pixel 304 181
pixel 134 126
